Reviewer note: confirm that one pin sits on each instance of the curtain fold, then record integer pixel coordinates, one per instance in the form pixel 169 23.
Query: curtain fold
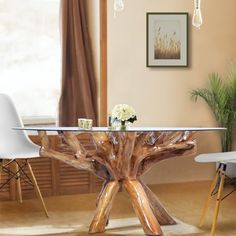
pixel 78 93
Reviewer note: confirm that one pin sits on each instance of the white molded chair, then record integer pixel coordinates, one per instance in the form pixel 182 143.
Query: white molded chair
pixel 222 159
pixel 14 146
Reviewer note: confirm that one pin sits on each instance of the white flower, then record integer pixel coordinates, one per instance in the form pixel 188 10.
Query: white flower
pixel 123 112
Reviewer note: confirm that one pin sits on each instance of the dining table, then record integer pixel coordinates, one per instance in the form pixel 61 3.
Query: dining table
pixel 121 158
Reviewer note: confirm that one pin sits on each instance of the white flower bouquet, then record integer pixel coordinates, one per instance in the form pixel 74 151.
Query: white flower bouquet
pixel 123 113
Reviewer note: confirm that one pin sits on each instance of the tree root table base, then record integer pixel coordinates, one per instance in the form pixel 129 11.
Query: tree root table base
pixel 120 159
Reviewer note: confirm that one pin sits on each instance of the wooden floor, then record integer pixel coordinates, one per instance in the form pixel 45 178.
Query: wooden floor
pixel 183 201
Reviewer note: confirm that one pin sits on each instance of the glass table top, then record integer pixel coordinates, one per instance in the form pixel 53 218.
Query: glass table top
pixel 129 129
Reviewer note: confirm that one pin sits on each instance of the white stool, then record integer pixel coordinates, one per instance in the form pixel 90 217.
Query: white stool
pixel 15 145
pixel 222 159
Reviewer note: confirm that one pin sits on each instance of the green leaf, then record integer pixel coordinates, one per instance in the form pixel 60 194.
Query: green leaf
pixel 221 98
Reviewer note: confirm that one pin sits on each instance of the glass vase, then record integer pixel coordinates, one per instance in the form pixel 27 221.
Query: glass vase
pixel 123 125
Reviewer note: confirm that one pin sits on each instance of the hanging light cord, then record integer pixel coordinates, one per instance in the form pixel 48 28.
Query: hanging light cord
pixel 197 4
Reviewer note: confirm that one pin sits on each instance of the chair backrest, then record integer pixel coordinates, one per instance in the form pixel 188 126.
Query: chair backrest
pixel 11 141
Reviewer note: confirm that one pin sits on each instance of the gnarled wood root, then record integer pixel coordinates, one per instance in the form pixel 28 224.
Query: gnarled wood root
pixel 158 209
pixel 142 207
pixel 122 158
pixel 104 207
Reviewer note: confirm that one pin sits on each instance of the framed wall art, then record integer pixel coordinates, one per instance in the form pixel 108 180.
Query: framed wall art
pixel 167 39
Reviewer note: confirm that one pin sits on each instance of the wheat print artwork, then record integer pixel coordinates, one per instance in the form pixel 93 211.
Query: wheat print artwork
pixel 167 41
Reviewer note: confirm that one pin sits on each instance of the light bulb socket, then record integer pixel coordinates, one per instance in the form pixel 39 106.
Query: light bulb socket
pixel 197 4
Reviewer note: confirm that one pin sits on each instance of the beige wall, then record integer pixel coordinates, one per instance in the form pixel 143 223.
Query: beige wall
pixel 161 95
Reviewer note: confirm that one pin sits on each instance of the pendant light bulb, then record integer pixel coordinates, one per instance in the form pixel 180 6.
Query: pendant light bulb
pixel 197 15
pixel 118 5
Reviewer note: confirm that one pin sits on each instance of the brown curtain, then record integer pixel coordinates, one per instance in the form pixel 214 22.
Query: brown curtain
pixel 78 95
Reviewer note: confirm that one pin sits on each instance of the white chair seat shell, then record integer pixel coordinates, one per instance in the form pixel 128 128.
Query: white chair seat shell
pixel 21 154
pixel 14 144
pixel 223 157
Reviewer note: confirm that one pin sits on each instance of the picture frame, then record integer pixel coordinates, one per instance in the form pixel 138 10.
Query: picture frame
pixel 167 39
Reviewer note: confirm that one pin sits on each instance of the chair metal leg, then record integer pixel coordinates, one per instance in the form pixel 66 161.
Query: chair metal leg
pixel 218 200
pixel 209 197
pixel 18 184
pixel 37 189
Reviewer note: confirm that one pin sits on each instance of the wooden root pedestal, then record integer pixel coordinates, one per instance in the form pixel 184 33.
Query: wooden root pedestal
pixel 121 158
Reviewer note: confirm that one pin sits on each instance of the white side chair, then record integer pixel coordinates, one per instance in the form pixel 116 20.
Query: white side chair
pixel 217 185
pixel 16 148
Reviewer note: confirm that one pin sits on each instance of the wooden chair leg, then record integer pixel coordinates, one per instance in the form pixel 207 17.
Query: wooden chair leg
pixel 218 200
pixel 37 189
pixel 209 197
pixel 18 184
